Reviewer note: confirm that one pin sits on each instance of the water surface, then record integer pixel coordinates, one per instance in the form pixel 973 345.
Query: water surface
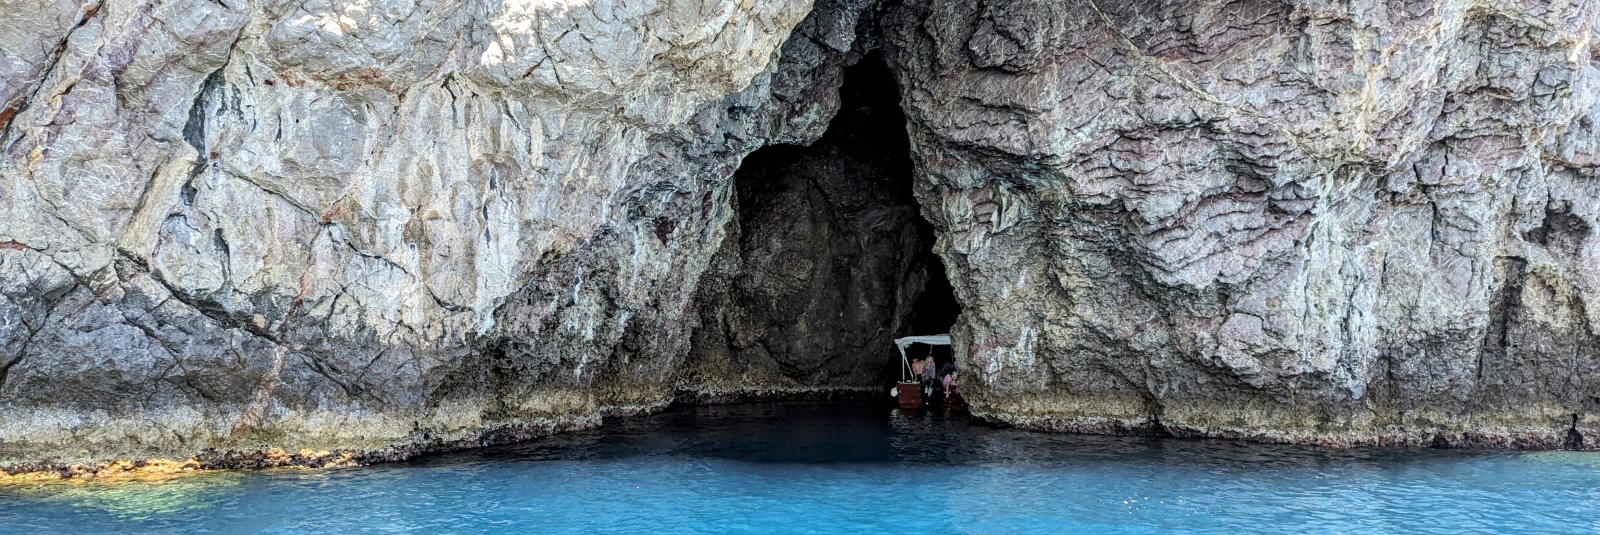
pixel 837 468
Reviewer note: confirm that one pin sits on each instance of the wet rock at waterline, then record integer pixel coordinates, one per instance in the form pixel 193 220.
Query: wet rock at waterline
pixel 227 225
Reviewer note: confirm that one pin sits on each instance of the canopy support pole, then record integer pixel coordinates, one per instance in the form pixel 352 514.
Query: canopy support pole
pixel 905 365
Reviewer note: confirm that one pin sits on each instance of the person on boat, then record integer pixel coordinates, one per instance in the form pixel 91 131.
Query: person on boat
pixel 947 375
pixel 916 367
pixel 952 397
pixel 929 376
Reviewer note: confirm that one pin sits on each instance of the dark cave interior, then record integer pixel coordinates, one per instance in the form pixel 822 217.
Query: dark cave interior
pixel 835 258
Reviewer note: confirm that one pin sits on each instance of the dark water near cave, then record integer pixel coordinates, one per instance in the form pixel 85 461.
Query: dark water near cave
pixel 852 468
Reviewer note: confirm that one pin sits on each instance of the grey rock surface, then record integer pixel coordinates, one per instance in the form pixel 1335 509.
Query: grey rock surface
pixel 390 226
pixel 362 224
pixel 1330 222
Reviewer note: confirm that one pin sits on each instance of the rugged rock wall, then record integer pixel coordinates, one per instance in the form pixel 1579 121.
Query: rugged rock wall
pixel 362 224
pixel 1339 222
pixel 359 225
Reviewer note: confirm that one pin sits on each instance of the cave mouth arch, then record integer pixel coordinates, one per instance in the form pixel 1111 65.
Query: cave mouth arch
pixel 830 258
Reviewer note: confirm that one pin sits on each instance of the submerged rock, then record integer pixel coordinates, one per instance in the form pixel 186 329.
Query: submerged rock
pixel 392 226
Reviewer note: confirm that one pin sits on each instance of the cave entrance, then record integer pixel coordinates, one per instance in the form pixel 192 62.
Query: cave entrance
pixel 831 259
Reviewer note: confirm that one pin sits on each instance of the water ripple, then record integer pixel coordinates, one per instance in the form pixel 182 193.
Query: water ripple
pixel 832 468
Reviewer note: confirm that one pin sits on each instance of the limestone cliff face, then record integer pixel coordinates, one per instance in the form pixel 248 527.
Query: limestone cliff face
pixel 341 224
pixel 1343 222
pixel 361 224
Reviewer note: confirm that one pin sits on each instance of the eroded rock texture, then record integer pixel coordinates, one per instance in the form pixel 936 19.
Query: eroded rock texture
pixel 341 224
pixel 1343 222
pixel 363 224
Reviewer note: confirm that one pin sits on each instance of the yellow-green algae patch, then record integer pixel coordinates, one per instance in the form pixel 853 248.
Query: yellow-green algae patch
pixel 156 470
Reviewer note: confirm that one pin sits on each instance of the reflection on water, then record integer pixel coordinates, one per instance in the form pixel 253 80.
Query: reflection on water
pixel 831 468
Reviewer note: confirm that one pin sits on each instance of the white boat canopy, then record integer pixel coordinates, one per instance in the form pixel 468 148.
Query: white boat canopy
pixel 903 343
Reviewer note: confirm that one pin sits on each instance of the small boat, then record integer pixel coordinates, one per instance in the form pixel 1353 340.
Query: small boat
pixel 909 390
pixel 954 403
pixel 909 393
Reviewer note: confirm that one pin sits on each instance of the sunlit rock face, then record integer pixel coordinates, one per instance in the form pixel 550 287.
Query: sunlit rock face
pixel 1337 222
pixel 375 224
pixel 355 224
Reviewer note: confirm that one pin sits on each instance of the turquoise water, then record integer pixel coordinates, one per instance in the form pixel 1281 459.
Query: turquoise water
pixel 839 468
